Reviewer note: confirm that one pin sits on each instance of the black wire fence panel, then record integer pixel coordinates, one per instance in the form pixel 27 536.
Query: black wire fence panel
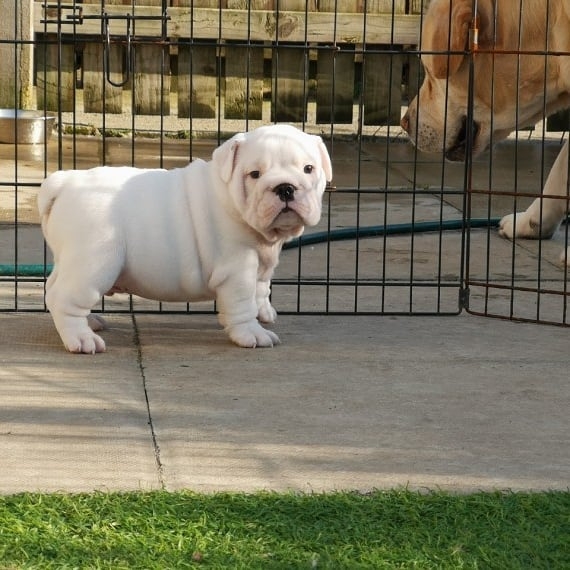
pixel 157 83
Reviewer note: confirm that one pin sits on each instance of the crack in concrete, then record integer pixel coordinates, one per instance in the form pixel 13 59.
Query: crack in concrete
pixel 156 447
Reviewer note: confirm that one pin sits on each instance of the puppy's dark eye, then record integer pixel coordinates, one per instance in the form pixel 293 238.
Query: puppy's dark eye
pixel 255 174
pixel 308 168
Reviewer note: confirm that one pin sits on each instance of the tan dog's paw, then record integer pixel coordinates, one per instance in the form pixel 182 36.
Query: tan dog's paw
pixel 526 225
pixel 252 335
pixel 519 225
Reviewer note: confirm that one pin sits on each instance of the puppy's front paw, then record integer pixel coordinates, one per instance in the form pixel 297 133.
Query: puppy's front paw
pixel 251 335
pixel 85 342
pixel 565 257
pixel 266 313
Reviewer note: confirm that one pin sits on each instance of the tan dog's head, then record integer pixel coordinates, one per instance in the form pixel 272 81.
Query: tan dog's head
pixel 509 90
pixel 276 177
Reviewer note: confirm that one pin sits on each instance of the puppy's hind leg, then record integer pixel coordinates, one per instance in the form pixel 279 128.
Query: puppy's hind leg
pixel 69 298
pixel 96 322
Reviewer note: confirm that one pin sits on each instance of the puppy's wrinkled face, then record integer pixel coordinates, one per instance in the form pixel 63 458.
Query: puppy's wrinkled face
pixel 282 181
pixel 277 179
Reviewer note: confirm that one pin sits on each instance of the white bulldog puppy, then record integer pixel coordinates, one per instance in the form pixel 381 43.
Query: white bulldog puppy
pixel 211 230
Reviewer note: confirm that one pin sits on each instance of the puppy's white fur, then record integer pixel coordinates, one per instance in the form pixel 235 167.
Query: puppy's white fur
pixel 510 90
pixel 211 230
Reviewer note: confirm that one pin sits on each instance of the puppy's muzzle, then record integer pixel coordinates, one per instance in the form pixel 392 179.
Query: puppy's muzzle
pixel 286 192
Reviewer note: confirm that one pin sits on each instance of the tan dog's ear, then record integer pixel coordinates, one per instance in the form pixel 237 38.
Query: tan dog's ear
pixel 446 32
pixel 224 157
pixel 325 158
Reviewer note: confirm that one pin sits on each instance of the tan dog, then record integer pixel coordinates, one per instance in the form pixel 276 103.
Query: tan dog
pixel 510 91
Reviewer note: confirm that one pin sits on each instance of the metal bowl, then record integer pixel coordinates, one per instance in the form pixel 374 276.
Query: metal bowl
pixel 25 127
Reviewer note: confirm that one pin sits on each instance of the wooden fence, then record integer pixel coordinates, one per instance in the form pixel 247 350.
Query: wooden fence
pixel 333 52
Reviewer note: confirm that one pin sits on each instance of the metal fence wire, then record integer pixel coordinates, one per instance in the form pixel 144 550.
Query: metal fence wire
pixel 156 83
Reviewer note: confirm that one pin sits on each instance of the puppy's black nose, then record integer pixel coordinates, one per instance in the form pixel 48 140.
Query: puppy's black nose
pixel 286 192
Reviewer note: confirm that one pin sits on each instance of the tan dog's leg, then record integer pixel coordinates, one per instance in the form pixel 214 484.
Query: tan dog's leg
pixel 543 216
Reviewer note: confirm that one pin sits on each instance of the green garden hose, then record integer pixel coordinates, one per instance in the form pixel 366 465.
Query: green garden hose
pixel 39 270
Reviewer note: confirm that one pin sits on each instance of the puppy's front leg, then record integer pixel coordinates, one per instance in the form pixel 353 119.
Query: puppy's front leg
pixel 236 298
pixel 267 261
pixel 543 216
pixel 266 313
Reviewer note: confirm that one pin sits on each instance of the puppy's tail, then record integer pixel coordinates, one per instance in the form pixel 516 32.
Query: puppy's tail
pixel 49 191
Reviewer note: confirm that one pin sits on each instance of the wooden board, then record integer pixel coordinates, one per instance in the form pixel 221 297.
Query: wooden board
pixel 151 81
pixel 335 86
pixel 244 82
pixel 197 81
pixel 55 81
pixel 382 88
pixel 414 76
pixel 289 85
pixel 259 25
pixel 291 26
pixel 358 6
pixel 418 6
pixel 214 33
pixel 98 94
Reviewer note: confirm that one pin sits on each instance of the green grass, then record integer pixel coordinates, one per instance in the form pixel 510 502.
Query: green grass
pixel 393 529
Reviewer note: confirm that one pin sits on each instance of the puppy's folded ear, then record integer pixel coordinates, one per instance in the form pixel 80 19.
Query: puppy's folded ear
pixel 224 157
pixel 445 32
pixel 325 158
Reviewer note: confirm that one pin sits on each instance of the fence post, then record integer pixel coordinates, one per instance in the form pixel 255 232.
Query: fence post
pixel 244 82
pixel 16 70
pixel 96 88
pixel 197 71
pixel 382 76
pixel 335 74
pixel 290 68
